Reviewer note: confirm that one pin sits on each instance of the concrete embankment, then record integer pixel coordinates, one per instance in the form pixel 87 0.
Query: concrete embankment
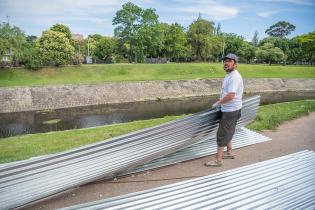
pixel 17 99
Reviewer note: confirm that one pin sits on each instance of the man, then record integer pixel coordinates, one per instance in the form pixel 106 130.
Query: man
pixel 231 104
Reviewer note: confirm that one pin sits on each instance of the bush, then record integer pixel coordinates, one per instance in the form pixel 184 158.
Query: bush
pixel 77 59
pixel 55 48
pixel 33 59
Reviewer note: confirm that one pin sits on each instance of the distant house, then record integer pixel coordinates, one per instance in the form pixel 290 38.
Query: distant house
pixel 77 37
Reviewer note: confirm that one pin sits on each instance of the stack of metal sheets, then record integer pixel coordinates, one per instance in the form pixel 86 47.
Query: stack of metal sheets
pixel 25 181
pixel 286 182
pixel 243 137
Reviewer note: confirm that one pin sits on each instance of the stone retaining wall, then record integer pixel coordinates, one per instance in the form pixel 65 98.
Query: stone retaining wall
pixel 63 96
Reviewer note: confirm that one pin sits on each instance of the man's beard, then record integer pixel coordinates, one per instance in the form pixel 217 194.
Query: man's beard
pixel 228 70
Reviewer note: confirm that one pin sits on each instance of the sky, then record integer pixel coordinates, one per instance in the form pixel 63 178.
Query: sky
pixel 242 17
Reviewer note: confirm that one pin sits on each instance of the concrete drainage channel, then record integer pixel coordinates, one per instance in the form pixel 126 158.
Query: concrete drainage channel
pixel 25 181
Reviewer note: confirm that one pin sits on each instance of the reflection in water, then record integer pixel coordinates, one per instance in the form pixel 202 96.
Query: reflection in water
pixel 12 124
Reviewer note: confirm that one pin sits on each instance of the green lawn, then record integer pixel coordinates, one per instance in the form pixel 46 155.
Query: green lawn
pixel 271 116
pixel 26 146
pixel 91 74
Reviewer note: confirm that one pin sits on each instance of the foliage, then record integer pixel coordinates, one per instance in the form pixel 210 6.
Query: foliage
pixel 247 52
pixel 281 43
pixel 269 53
pixel 139 35
pixel 12 40
pixel 308 45
pixel 62 29
pixel 280 29
pixel 128 21
pixel 175 41
pixel 105 48
pixel 32 58
pixel 199 34
pixel 55 48
pixel 255 39
pixel 77 59
pixel 233 43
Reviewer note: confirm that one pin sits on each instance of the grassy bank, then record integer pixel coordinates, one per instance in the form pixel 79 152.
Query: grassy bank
pixel 271 116
pixel 92 74
pixel 26 146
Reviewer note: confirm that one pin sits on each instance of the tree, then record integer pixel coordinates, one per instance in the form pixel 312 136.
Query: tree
pixel 32 58
pixel 296 52
pixel 62 29
pixel 149 37
pixel 308 44
pixel 12 42
pixel 55 48
pixel 247 52
pixel 128 21
pixel 255 39
pixel 269 53
pixel 282 43
pixel 233 43
pixel 218 31
pixel 199 34
pixel 31 39
pixel 175 41
pixel 105 49
pixel 280 29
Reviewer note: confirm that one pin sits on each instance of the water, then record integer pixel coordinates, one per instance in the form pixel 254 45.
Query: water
pixel 12 124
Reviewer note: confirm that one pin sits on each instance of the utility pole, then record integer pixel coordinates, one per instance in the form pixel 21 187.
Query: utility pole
pixel 8 19
pixel 88 46
pixel 223 49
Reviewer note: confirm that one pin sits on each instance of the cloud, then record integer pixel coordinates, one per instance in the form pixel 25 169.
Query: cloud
pixel 299 2
pixel 210 9
pixel 268 13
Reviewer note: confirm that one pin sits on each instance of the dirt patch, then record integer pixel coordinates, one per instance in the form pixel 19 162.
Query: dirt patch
pixel 290 137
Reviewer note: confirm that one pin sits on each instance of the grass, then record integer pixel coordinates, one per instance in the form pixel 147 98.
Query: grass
pixel 93 74
pixel 26 146
pixel 271 116
pixel 30 145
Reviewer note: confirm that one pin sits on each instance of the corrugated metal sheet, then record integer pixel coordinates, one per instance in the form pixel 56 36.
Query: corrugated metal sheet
pixel 25 181
pixel 286 182
pixel 243 137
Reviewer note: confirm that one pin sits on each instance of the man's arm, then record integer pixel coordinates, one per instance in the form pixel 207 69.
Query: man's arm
pixel 225 99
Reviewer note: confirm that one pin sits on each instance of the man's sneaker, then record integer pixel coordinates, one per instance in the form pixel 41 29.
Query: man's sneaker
pixel 214 163
pixel 228 156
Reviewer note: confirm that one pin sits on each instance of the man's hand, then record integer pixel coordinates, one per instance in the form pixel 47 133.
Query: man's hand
pixel 227 98
pixel 216 104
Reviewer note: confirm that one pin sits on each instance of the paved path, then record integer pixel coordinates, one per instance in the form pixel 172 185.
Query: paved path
pixel 290 137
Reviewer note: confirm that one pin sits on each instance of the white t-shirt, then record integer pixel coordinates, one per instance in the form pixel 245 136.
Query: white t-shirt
pixel 232 82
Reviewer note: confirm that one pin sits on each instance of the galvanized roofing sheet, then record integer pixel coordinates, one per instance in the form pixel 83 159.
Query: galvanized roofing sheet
pixel 243 137
pixel 286 182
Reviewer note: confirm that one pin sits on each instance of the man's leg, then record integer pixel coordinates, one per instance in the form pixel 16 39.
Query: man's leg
pixel 220 148
pixel 218 158
pixel 229 154
pixel 229 148
pixel 219 155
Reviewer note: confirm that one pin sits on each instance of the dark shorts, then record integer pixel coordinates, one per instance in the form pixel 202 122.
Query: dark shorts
pixel 227 126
